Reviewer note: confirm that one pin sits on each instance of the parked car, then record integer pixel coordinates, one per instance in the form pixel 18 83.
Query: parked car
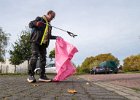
pixel 100 70
pixel 50 68
pixel 105 67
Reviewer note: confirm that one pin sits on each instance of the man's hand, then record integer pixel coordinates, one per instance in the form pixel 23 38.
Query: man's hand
pixel 39 24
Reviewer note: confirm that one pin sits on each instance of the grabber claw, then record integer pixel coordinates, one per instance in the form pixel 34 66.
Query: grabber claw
pixel 71 34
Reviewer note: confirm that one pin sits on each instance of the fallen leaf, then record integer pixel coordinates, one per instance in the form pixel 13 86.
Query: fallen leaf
pixel 72 91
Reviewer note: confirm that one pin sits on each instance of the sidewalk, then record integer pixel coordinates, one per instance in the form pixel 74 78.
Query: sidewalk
pixel 127 85
pixel 15 87
pixel 121 90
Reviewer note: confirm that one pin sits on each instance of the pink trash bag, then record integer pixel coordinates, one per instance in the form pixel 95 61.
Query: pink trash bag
pixel 64 52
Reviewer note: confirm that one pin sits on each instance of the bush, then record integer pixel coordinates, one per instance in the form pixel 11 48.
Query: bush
pixel 82 70
pixel 131 63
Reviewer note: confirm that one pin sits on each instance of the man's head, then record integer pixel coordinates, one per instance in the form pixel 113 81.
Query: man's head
pixel 50 15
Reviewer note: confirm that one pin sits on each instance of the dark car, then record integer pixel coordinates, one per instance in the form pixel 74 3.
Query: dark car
pixel 101 70
pixel 105 67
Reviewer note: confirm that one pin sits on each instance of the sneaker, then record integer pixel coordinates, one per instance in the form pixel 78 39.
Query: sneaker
pixel 31 79
pixel 44 79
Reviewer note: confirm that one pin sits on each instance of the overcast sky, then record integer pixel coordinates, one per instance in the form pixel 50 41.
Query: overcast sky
pixel 102 26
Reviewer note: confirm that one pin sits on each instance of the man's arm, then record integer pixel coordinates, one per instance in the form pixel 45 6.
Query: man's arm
pixel 50 30
pixel 53 37
pixel 35 23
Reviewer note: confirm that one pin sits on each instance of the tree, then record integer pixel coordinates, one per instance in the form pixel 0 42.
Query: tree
pixel 52 54
pixel 15 55
pixel 21 49
pixel 3 43
pixel 86 65
pixel 131 63
pixel 25 45
pixel 107 57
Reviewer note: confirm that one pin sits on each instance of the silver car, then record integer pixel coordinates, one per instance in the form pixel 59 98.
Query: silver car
pixel 50 68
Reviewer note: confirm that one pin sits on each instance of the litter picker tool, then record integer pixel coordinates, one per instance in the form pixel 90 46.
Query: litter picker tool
pixel 70 33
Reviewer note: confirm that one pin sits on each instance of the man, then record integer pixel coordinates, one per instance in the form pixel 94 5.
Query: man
pixel 40 37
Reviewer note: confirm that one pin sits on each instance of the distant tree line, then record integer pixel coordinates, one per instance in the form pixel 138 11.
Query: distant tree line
pixel 131 63
pixel 91 62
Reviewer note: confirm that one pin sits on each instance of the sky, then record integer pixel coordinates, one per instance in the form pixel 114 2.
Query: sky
pixel 102 26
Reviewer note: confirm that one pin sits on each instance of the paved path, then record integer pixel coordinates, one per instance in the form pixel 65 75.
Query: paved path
pixel 127 85
pixel 15 87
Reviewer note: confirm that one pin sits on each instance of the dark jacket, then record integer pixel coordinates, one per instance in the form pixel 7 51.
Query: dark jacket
pixel 37 32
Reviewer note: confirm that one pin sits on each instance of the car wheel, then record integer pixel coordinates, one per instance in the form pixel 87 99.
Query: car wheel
pixel 115 72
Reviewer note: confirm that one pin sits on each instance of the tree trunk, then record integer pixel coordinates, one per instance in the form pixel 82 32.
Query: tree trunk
pixel 7 69
pixel 1 69
pixel 15 69
pixel 28 65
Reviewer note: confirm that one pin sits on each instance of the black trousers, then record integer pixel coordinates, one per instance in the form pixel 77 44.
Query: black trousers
pixel 37 51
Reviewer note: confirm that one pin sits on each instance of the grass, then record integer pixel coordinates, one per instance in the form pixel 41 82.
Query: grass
pixel 81 73
pixel 13 73
pixel 133 72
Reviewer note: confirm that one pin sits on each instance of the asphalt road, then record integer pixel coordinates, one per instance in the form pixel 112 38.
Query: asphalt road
pixel 15 87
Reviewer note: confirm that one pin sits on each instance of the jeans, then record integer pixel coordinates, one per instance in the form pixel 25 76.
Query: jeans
pixel 37 51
